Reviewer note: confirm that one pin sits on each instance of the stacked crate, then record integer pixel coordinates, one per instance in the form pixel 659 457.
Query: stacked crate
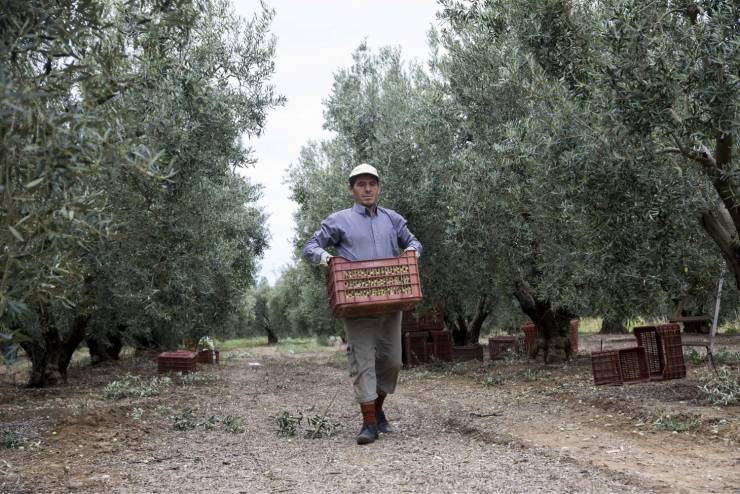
pixel 664 350
pixel 530 335
pixel 658 356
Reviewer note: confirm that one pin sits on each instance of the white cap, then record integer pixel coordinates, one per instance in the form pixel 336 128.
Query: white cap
pixel 364 169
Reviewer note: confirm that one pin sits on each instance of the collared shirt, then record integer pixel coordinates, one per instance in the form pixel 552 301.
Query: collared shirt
pixel 359 236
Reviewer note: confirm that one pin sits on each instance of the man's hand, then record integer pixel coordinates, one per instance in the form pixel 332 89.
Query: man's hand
pixel 411 248
pixel 325 259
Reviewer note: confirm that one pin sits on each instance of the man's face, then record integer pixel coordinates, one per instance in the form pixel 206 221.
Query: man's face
pixel 366 190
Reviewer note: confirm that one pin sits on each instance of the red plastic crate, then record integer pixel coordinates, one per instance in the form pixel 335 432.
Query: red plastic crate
pixel 530 335
pixel 349 299
pixel 606 367
pixel 669 336
pixel 647 337
pixel 180 361
pixel 409 321
pixel 209 357
pixel 574 323
pixel 633 365
pixel 467 352
pixel 664 351
pixel 442 345
pixel 415 348
pixel 499 345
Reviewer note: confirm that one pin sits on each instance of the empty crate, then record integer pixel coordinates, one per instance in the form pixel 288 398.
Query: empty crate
pixel 442 345
pixel 633 365
pixel 662 344
pixel 606 368
pixel 499 346
pixel 364 288
pixel 415 348
pixel 208 357
pixel 180 361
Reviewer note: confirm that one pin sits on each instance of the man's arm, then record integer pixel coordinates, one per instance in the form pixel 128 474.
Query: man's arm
pixel 315 249
pixel 406 239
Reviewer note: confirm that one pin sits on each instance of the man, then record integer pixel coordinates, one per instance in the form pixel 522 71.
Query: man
pixel 365 232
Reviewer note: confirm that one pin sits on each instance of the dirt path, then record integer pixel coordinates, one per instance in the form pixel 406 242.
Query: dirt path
pixel 542 430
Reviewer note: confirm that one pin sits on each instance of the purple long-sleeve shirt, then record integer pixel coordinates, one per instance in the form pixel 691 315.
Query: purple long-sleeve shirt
pixel 358 236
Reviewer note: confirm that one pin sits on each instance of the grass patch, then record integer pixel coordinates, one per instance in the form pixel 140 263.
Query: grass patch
pixel 200 378
pixel 11 440
pixel 299 345
pixel 131 386
pixel 287 423
pixel 722 388
pixel 682 422
pixel 238 343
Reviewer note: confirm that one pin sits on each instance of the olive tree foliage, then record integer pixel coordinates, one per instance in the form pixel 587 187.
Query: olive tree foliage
pixel 59 139
pixel 122 213
pixel 391 115
pixel 595 221
pixel 194 239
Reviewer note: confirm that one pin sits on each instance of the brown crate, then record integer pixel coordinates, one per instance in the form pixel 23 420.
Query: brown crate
pixel 209 357
pixel 498 346
pixel 347 299
pixel 664 351
pixel 633 365
pixel 409 321
pixel 530 335
pixel 669 336
pixel 467 352
pixel 647 338
pixel 442 345
pixel 574 323
pixel 606 368
pixel 414 351
pixel 179 361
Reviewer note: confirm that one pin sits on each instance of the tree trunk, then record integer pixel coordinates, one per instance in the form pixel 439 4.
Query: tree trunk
pixel 272 338
pixel 466 331
pixel 50 355
pixel 723 225
pixel 613 326
pixel 106 348
pixel 553 327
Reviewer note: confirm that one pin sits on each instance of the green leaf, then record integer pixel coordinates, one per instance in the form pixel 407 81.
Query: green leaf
pixel 16 233
pixel 34 183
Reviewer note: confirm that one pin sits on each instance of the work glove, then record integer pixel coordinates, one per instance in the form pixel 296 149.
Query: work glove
pixel 416 252
pixel 325 259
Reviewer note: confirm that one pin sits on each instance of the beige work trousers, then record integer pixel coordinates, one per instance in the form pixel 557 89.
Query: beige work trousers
pixel 373 354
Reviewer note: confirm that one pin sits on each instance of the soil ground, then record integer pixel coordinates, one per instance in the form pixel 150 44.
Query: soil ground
pixel 503 426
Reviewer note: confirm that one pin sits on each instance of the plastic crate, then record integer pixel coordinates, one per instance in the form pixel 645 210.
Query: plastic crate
pixel 431 321
pixel 498 346
pixel 209 357
pixel 409 322
pixel 669 337
pixel 606 368
pixel 664 350
pixel 180 361
pixel 467 352
pixel 647 337
pixel 442 345
pixel 366 288
pixel 530 335
pixel 633 365
pixel 414 351
pixel 574 323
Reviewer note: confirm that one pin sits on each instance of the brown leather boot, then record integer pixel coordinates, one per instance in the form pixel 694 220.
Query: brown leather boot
pixel 383 425
pixel 369 431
